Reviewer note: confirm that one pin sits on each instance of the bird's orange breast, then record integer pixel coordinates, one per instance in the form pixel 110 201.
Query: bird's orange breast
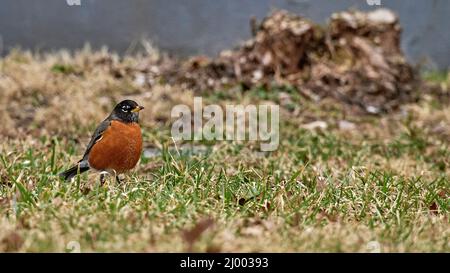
pixel 119 148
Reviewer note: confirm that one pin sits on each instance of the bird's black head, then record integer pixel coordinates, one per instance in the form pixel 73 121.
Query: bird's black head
pixel 126 111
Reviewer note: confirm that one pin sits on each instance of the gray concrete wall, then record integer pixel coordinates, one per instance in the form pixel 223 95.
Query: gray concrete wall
pixel 199 26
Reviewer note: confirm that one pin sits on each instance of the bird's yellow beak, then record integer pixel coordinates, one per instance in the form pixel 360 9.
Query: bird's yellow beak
pixel 137 109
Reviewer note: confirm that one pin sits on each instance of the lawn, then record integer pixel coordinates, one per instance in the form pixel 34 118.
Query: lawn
pixel 356 183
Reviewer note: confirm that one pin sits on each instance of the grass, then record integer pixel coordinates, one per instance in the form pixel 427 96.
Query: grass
pixel 382 186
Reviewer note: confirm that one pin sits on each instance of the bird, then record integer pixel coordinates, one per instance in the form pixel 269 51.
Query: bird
pixel 116 145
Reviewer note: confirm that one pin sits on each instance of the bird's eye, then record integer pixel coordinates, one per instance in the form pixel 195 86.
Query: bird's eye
pixel 125 108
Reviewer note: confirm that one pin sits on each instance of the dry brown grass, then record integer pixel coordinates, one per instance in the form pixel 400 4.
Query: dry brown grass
pixel 66 94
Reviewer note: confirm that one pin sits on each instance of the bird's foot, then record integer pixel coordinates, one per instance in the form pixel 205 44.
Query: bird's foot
pixel 118 179
pixel 102 179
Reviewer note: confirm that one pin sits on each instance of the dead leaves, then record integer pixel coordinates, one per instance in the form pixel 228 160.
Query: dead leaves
pixel 356 60
pixel 193 234
pixel 434 207
pixel 12 242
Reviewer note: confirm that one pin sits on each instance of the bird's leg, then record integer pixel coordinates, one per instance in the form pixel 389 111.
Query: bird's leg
pixel 116 176
pixel 102 179
pixel 118 179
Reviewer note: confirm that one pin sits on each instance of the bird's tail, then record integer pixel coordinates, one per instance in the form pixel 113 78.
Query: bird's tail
pixel 70 173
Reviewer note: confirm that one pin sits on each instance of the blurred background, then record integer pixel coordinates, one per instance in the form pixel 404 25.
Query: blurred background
pixel 200 26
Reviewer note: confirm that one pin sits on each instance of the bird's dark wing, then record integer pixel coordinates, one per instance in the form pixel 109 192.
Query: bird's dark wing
pixel 96 136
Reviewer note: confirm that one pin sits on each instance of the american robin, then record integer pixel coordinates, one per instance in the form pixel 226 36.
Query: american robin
pixel 115 146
